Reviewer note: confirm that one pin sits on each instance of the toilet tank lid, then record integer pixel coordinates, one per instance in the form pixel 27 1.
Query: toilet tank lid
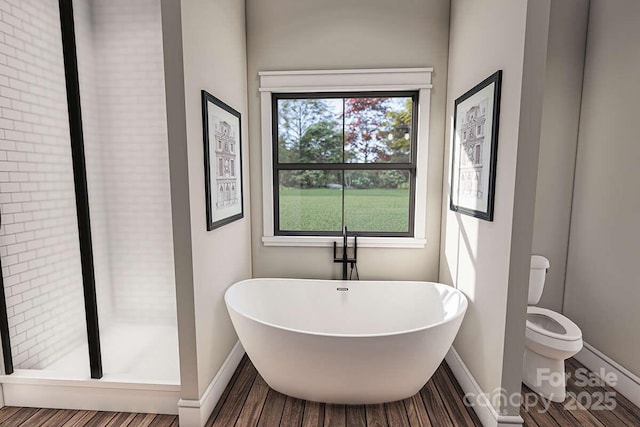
pixel 539 262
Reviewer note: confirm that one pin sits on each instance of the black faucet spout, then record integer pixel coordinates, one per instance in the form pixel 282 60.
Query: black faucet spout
pixel 345 260
pixel 344 253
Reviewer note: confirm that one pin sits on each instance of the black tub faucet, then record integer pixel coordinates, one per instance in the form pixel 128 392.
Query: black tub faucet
pixel 345 260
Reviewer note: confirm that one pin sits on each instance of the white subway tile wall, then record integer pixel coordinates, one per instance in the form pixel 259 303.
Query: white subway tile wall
pixel 39 235
pixel 83 21
pixel 134 170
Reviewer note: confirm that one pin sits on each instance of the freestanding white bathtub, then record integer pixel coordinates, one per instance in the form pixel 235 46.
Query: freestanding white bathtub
pixel 375 342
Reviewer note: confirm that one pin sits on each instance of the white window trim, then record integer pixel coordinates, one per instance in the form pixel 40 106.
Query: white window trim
pixel 397 79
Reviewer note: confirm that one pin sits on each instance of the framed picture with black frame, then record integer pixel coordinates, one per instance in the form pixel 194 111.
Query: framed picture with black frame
pixel 474 149
pixel 222 134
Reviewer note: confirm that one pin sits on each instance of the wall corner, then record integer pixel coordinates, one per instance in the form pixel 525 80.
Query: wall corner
pixel 180 205
pixel 532 94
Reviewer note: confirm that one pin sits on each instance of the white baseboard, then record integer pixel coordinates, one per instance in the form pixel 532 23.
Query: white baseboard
pixel 195 413
pixel 99 395
pixel 487 414
pixel 627 383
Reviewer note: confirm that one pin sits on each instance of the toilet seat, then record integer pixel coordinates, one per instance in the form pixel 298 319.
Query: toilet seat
pixel 572 331
pixel 552 345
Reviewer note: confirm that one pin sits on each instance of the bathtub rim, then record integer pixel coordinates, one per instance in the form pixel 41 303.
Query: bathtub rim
pixel 462 309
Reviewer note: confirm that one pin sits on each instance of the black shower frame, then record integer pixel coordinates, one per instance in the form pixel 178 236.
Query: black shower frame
pixel 82 203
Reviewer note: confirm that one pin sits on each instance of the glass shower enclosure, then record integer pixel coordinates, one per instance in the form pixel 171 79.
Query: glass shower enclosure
pixel 85 236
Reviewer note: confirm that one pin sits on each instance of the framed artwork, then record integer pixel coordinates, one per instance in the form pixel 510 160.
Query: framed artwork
pixel 475 148
pixel 222 162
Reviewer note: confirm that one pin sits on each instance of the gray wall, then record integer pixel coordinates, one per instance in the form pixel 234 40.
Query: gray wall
pixel 603 285
pixel 489 261
pixel 558 141
pixel 338 34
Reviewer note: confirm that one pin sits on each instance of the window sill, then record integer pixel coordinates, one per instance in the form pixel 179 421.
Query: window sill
pixel 363 242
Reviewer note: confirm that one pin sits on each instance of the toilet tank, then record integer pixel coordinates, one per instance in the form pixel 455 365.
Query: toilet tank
pixel 537 275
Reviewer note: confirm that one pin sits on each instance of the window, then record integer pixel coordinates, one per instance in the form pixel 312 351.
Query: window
pixel 344 159
pixel 345 147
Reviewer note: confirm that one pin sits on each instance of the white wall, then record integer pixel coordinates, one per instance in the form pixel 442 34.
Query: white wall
pixel 602 287
pixel 339 34
pixel 558 141
pixel 489 261
pixel 206 43
pixel 39 236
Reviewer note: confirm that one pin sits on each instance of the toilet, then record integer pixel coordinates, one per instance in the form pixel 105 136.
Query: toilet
pixel 550 339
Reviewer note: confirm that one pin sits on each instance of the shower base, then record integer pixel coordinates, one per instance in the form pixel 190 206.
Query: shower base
pixel 141 374
pixel 129 352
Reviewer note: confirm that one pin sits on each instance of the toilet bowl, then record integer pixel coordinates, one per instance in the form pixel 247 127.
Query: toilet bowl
pixel 550 339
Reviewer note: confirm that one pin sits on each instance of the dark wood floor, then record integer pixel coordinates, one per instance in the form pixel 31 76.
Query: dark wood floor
pixel 248 401
pixel 32 417
pixel 573 411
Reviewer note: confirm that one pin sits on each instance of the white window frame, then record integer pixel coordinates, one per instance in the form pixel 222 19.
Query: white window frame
pixel 370 80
